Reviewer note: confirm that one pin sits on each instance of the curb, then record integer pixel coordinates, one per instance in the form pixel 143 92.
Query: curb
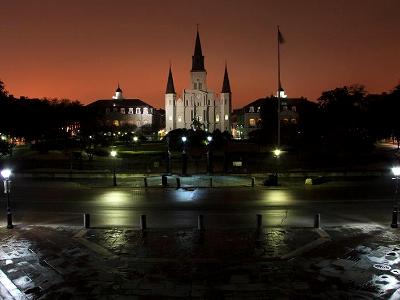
pixel 323 238
pixel 10 287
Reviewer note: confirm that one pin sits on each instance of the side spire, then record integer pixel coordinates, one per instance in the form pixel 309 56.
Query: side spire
pixel 226 87
pixel 170 83
pixel 118 90
pixel 198 58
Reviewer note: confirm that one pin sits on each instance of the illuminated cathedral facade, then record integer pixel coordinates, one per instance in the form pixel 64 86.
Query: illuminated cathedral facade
pixel 198 107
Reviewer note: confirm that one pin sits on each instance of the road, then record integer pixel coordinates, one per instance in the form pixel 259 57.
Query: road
pixel 62 202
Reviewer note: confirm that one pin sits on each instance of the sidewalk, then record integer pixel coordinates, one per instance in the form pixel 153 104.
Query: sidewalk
pixel 56 262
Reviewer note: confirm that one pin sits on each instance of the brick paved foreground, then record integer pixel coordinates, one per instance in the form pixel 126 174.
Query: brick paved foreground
pixel 43 262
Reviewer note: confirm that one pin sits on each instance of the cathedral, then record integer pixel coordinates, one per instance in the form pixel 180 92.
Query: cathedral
pixel 198 107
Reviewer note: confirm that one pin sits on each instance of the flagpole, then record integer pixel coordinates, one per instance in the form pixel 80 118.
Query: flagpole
pixel 279 91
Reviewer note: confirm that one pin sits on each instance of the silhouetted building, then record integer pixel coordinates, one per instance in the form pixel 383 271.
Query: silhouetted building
pixel 249 117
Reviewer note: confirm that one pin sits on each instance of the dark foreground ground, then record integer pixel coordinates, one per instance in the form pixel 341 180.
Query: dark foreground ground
pixel 57 262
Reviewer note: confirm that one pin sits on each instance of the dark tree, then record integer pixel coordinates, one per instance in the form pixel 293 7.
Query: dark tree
pixel 344 121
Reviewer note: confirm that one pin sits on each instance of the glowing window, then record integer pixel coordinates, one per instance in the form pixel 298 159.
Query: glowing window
pixel 251 109
pixel 226 117
pixel 252 122
pixel 138 110
pixel 145 110
pixel 122 110
pixel 116 123
pixel 130 111
pixel 170 118
pixel 217 118
pixel 179 119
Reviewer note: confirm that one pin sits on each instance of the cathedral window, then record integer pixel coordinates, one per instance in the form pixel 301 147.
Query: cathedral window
pixel 195 85
pixel 179 119
pixel 293 108
pixel 170 118
pixel 251 109
pixel 130 111
pixel 138 123
pixel 138 110
pixel 151 110
pixel 200 85
pixel 226 117
pixel 145 110
pixel 209 102
pixel 252 122
pixel 123 111
pixel 115 109
pixel 217 118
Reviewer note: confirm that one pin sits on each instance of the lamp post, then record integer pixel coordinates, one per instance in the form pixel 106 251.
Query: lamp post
pixel 168 157
pixel 396 173
pixel 6 173
pixel 113 154
pixel 135 139
pixel 184 156
pixel 209 155
pixel 277 152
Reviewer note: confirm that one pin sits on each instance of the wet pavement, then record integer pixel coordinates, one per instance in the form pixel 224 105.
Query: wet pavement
pixel 58 262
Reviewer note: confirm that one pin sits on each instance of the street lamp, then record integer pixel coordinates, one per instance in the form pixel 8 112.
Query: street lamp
pixel 168 157
pixel 209 155
pixel 277 152
pixel 113 154
pixel 135 139
pixel 6 173
pixel 184 156
pixel 396 173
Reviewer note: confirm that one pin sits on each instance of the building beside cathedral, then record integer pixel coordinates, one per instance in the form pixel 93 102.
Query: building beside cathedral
pixel 198 106
pixel 120 114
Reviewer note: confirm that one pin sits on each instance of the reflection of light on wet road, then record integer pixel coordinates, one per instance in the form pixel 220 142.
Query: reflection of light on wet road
pixel 115 199
pixel 277 197
pixel 183 195
pixel 116 218
pixel 385 283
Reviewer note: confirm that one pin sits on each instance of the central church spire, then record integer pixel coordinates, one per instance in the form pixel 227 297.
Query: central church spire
pixel 197 58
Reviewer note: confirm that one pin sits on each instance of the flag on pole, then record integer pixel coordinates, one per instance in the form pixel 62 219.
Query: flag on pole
pixel 281 40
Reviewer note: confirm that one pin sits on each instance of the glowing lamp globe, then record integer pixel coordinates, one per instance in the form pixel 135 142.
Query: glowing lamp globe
pixel 6 173
pixel 396 171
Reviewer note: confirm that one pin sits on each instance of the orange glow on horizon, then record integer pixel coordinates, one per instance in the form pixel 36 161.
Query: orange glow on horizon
pixel 80 50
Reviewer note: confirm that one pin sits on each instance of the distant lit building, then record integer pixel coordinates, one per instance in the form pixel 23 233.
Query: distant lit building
pixel 249 117
pixel 119 113
pixel 198 106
